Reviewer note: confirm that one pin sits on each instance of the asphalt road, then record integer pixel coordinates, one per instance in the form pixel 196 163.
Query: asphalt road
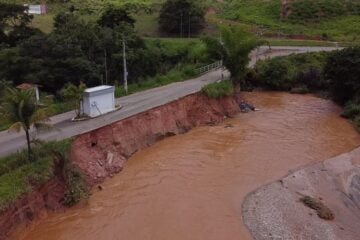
pixel 11 142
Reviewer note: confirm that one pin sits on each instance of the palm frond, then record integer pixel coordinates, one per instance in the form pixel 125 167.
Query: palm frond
pixel 16 127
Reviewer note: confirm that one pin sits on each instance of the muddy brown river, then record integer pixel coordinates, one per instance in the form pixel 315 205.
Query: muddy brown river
pixel 192 186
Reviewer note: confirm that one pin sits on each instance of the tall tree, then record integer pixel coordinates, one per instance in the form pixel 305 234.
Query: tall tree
pixel 14 24
pixel 114 16
pixel 342 71
pixel 234 48
pixel 20 108
pixel 182 17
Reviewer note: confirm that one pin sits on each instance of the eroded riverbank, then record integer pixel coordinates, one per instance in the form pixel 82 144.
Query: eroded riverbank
pixel 192 186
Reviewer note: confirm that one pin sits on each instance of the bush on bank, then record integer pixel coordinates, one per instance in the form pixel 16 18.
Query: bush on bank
pixel 219 89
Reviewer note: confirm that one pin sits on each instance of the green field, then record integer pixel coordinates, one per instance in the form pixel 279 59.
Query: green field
pixel 262 16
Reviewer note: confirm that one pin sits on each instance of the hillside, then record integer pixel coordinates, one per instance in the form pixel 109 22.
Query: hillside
pixel 330 20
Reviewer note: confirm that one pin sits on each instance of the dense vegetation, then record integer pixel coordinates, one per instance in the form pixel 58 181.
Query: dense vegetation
pixel 181 17
pixel 90 52
pixel 292 72
pixel 310 10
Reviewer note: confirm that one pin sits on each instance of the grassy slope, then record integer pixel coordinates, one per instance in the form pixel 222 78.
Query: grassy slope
pixel 18 176
pixel 265 14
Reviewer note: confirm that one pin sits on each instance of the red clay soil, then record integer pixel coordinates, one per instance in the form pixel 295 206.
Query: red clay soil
pixel 103 152
pixel 32 206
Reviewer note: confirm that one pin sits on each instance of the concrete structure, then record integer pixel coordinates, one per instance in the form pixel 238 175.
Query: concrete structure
pixel 98 100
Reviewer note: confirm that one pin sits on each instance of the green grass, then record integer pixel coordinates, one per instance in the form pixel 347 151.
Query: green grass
pixel 176 75
pixel 18 176
pixel 4 124
pixel 219 89
pixel 300 43
pixel 265 14
pixel 147 25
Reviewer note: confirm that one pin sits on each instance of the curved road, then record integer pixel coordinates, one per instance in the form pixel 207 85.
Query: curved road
pixel 136 103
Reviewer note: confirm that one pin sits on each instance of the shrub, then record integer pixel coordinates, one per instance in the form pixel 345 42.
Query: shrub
pixel 76 186
pixel 351 110
pixel 275 74
pixel 218 90
pixel 342 70
pixel 302 71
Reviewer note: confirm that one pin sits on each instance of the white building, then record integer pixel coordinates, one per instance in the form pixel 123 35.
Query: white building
pixel 98 100
pixel 36 9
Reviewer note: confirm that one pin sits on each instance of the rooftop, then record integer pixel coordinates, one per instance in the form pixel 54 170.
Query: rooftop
pixel 98 88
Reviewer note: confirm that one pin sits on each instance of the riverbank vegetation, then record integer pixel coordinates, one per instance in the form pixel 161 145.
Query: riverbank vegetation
pixel 18 176
pixel 219 89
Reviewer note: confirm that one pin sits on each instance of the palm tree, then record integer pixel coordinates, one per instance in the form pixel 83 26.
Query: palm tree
pixel 234 47
pixel 20 108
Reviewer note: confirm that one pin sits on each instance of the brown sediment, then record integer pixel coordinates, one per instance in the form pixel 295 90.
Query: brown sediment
pixel 192 186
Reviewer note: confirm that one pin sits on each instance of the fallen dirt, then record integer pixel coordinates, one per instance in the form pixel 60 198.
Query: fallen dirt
pixel 277 212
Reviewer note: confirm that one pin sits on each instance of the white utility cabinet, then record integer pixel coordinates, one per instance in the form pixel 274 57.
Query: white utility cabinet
pixel 98 100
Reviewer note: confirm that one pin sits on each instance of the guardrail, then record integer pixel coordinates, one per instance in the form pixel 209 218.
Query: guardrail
pixel 209 67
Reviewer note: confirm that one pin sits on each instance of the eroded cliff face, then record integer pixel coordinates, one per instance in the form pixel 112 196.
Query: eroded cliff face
pixel 103 152
pixel 32 206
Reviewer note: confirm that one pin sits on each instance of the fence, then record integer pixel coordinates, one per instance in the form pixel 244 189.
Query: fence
pixel 209 67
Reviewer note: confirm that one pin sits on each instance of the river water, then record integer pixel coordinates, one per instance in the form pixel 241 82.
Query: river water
pixel 192 186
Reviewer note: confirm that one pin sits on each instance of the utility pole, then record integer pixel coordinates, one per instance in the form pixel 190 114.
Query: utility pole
pixel 105 66
pixel 181 24
pixel 189 32
pixel 125 67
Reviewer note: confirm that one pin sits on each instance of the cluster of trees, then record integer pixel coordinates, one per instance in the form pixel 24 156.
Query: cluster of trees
pixel 77 50
pixel 182 18
pixel 14 24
